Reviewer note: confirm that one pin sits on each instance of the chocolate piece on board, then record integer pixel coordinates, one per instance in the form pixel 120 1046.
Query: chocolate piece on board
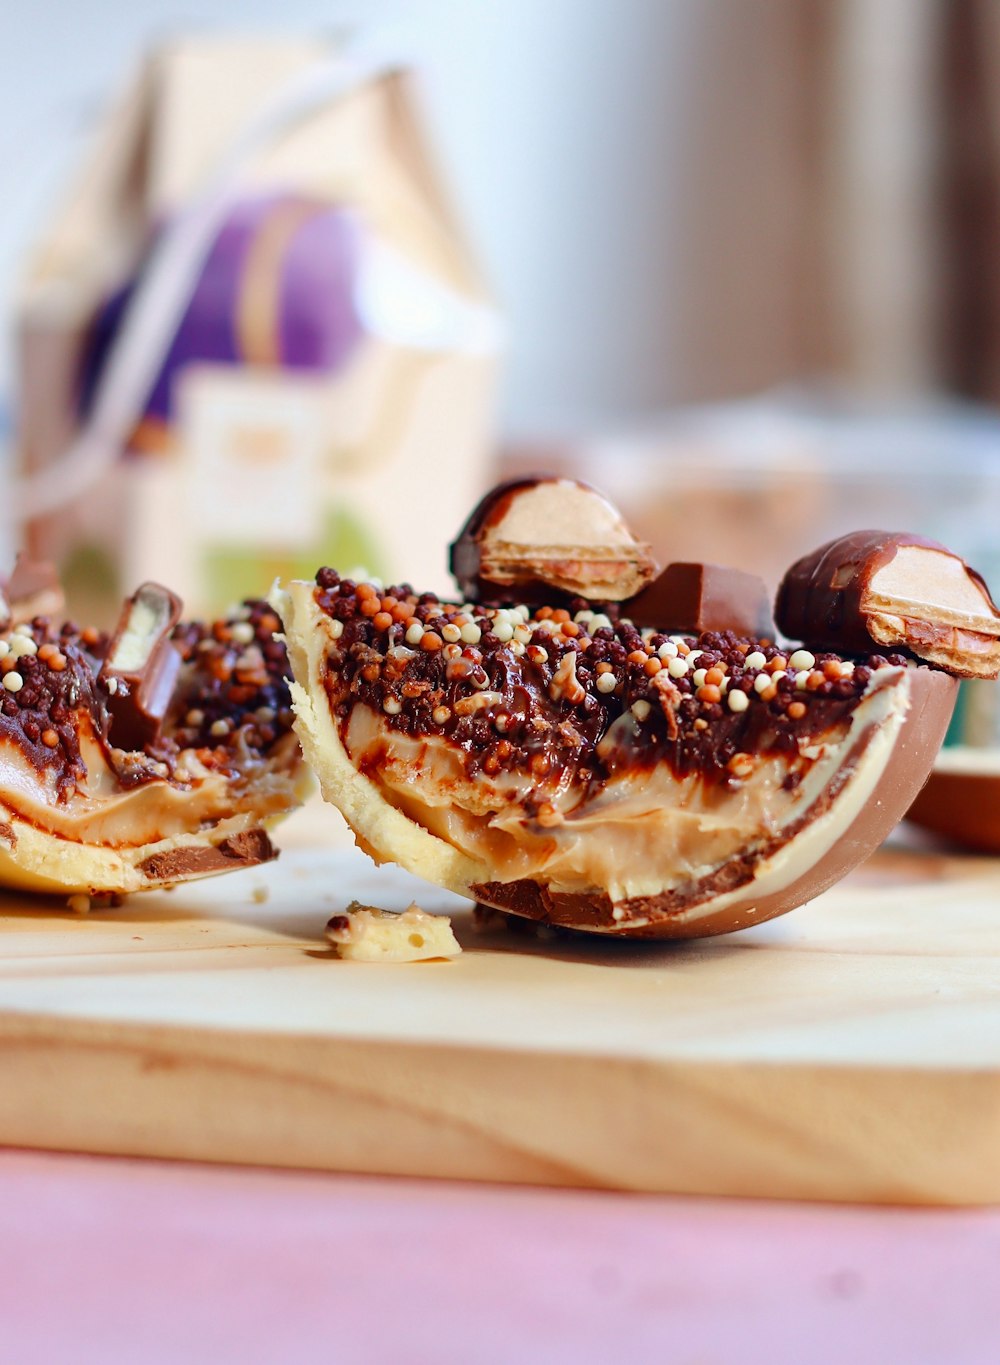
pixel 532 536
pixel 141 666
pixel 700 597
pixel 894 590
pixel 33 589
pixel 248 849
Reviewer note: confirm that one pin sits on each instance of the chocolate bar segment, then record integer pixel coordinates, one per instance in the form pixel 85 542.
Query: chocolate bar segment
pixel 546 539
pixel 33 589
pixel 141 666
pixel 699 597
pixel 897 591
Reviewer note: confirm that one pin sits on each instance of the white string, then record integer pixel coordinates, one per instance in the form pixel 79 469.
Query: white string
pixel 164 291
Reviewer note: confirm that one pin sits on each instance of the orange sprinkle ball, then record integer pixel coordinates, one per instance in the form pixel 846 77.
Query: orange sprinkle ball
pixel 544 614
pixel 709 693
pixel 370 606
pixel 365 592
pixel 50 739
pixel 773 665
pixel 797 710
pixel 382 620
pixel 815 679
pixel 714 676
pixel 638 656
pixel 90 636
pixel 431 642
pixel 57 663
pixel 570 628
pixel 401 612
pixel 652 665
pixel 46 652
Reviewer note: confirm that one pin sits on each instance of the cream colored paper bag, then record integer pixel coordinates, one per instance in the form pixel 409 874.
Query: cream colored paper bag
pixel 254 340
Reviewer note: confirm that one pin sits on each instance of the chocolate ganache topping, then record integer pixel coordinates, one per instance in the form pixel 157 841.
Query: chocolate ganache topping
pixel 580 690
pixel 229 702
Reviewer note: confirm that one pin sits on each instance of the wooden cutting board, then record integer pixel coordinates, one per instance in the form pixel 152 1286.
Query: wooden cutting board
pixel 849 1051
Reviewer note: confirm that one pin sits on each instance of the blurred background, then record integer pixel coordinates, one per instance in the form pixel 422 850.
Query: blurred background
pixel 732 261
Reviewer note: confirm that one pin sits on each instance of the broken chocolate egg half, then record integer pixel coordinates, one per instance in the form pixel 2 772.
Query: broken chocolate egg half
pixel 541 539
pixel 156 755
pixel 675 775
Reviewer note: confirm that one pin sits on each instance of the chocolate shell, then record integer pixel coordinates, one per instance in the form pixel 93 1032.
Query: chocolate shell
pixel 704 785
pixel 961 800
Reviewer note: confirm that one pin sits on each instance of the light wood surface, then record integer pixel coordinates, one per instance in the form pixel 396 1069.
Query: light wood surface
pixel 849 1051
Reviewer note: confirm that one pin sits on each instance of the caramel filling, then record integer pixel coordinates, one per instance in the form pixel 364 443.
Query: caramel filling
pixel 642 826
pixel 102 813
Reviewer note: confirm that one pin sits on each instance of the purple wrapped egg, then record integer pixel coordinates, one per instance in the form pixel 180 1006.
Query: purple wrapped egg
pixel 278 290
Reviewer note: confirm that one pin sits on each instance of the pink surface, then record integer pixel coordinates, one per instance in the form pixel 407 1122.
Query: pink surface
pixel 109 1259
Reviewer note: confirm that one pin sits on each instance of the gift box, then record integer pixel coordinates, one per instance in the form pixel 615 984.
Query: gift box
pixel 254 339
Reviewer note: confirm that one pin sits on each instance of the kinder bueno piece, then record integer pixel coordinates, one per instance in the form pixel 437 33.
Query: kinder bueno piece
pixel 161 754
pixel 539 539
pixel 698 597
pixel 897 591
pixel 570 765
pixel 141 666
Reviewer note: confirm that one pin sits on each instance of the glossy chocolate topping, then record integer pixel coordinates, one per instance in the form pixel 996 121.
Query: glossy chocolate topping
pixel 548 691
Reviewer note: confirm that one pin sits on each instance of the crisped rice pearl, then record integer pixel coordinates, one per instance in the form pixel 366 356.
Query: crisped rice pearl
pixel 219 728
pixel 677 668
pixel 451 633
pixel 20 645
pixel 13 681
pixel 755 660
pixel 738 701
pixel 801 678
pixel 503 631
pixel 802 659
pixel 4 649
pixel 762 682
pixel 668 650
pixel 694 654
pixel 391 706
pixel 640 709
pixel 698 677
pixel 336 629
pixel 414 633
pixel 471 633
pixel 242 632
pixel 606 682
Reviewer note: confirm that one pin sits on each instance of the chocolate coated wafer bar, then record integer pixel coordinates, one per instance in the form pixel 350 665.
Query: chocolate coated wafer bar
pixel 894 590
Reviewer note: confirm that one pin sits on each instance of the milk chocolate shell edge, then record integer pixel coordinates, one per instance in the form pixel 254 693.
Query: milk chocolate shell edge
pixel 860 796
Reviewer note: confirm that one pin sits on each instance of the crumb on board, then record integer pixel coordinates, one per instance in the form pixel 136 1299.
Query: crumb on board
pixel 80 904
pixel 260 893
pixel 364 933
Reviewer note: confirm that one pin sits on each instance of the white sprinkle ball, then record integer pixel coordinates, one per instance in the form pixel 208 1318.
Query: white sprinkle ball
pixel 802 659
